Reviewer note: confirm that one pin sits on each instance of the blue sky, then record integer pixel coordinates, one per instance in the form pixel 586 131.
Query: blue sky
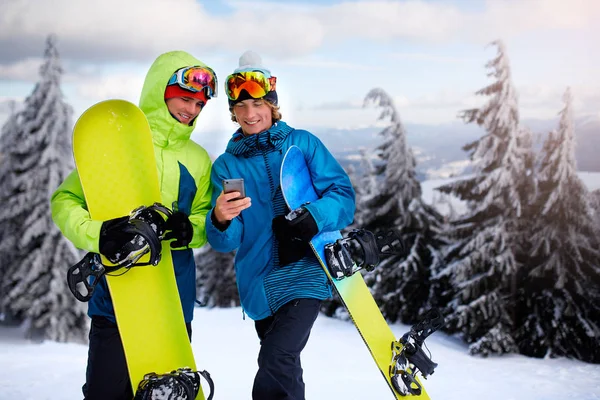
pixel 428 55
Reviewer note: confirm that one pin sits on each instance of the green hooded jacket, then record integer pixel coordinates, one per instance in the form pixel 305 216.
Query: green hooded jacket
pixel 184 178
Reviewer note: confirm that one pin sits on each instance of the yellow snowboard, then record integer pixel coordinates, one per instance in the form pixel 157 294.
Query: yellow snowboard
pixel 114 154
pixel 297 188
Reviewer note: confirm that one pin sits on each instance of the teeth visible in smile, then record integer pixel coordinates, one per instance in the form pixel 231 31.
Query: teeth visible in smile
pixel 184 116
pixel 251 122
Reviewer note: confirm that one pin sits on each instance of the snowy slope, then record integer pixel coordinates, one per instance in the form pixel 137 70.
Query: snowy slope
pixel 336 365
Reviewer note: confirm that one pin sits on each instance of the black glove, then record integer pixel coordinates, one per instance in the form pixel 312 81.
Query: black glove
pixel 293 235
pixel 298 224
pixel 113 238
pixel 180 228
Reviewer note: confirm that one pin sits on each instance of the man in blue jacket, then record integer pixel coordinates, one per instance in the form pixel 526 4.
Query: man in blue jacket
pixel 281 284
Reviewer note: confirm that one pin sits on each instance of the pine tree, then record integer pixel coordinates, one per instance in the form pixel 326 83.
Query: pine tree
pixel 8 128
pixel 477 284
pixel 351 171
pixel 34 254
pixel 560 295
pixel 401 283
pixel 365 187
pixel 595 203
pixel 444 205
pixel 215 278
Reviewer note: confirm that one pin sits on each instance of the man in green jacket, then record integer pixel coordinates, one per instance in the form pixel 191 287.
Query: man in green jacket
pixel 176 89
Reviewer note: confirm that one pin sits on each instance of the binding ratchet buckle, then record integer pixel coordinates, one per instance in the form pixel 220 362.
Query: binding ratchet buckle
pixel 408 357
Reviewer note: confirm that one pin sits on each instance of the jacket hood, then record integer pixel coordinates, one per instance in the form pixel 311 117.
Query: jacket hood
pixel 166 130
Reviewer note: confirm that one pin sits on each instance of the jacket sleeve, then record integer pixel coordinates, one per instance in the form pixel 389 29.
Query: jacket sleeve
pixel 230 238
pixel 70 214
pixel 336 205
pixel 201 205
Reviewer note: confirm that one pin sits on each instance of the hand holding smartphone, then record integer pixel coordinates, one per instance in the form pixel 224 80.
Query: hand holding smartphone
pixel 234 185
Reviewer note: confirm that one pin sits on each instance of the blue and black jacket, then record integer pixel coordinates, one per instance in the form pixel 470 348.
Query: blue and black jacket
pixel 263 284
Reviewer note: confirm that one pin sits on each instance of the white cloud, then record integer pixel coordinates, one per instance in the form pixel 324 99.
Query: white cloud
pixel 140 29
pixel 333 105
pixel 137 29
pixel 387 20
pixel 117 86
pixel 545 101
pixel 129 23
pixel 293 33
pixel 314 61
pixel 510 17
pixel 23 70
pixel 431 57
pixel 441 21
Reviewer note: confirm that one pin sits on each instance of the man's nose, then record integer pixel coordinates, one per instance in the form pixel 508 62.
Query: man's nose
pixel 191 108
pixel 250 111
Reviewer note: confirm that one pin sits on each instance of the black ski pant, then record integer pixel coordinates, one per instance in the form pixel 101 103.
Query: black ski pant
pixel 106 376
pixel 282 339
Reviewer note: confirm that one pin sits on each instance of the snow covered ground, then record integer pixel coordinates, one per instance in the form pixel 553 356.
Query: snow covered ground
pixel 336 363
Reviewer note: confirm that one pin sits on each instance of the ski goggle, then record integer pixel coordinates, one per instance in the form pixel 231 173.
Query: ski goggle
pixel 256 83
pixel 196 79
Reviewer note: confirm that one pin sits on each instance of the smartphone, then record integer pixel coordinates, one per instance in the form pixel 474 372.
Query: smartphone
pixel 234 185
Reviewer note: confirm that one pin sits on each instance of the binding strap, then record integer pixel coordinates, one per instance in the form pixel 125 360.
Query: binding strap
pixel 147 225
pixel 181 384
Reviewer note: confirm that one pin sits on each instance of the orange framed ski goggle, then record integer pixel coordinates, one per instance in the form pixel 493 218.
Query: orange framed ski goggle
pixel 256 83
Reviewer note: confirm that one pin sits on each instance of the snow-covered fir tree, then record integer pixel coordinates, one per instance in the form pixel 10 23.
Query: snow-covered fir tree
pixel 215 278
pixel 351 171
pixel 8 128
pixel 444 205
pixel 365 187
pixel 595 203
pixel 400 283
pixel 560 283
pixel 477 284
pixel 34 255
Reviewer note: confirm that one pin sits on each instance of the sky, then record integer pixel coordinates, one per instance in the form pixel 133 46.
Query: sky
pixel 336 365
pixel 429 55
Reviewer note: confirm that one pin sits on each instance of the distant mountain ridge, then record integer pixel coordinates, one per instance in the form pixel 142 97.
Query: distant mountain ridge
pixel 439 147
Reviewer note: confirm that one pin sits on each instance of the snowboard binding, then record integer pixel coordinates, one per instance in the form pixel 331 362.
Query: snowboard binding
pixel 147 225
pixel 408 357
pixel 361 249
pixel 182 384
pixel 86 272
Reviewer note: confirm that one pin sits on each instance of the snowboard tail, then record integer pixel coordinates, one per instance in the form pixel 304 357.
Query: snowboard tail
pixel 114 155
pixel 297 188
